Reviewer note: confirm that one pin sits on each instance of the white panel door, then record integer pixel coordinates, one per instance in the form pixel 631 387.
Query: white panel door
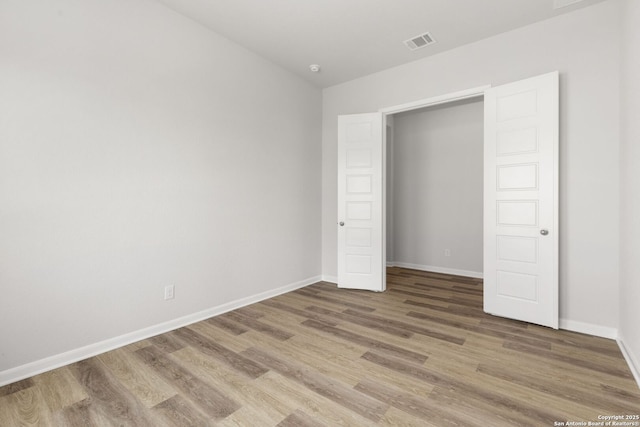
pixel 521 200
pixel 360 202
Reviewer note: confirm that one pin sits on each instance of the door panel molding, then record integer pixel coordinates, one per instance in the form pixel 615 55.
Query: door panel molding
pixel 521 200
pixel 360 224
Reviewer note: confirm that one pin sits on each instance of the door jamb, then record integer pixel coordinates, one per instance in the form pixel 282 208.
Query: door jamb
pixel 475 92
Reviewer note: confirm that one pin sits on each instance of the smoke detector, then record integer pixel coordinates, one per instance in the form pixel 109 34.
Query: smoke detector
pixel 420 41
pixel 315 68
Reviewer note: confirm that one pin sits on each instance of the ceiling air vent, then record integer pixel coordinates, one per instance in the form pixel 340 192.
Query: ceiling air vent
pixel 420 41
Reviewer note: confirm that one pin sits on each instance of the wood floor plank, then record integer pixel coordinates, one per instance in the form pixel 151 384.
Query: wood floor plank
pixel 624 396
pixel 522 395
pixel 235 343
pixel 563 390
pixel 484 330
pixel 354 317
pixel 332 367
pixel 17 386
pixel 245 416
pixel 339 360
pixel 166 342
pixel 336 301
pixel 612 359
pixel 139 379
pixel 368 304
pixel 331 348
pixel 366 341
pixel 409 327
pixel 227 324
pixel 409 403
pixel 432 296
pixel 178 411
pixel 299 419
pixel 481 411
pixel 109 399
pixel 303 314
pixel 363 296
pixel 6 411
pixel 208 399
pixel 423 353
pixel 397 418
pixel 295 305
pixel 435 378
pixel 259 326
pixel 59 389
pixel 317 406
pixel 574 361
pixel 575 338
pixel 578 342
pixel 219 352
pixel 261 404
pixel 249 311
pixel 416 344
pixel 29 407
pixel 340 394
pixel 528 397
pixel 485 349
pixel 446 285
pixel 78 414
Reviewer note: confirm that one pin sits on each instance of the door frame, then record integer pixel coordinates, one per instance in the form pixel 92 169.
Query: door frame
pixel 471 93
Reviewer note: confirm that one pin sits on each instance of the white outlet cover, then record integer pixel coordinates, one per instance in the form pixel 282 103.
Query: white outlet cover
pixel 169 292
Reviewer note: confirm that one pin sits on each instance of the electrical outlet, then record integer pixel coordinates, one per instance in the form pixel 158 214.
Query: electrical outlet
pixel 169 292
pixel 447 252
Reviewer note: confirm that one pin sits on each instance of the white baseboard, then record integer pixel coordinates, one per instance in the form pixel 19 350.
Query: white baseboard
pixel 632 361
pixel 43 365
pixel 330 279
pixel 589 329
pixel 434 269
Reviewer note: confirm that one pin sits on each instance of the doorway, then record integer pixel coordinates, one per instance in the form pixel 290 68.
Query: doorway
pixel 434 188
pixel 520 215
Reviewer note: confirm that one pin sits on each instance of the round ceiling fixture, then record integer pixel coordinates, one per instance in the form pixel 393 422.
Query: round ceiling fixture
pixel 315 68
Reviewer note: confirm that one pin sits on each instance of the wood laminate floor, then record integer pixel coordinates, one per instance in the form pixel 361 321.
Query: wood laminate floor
pixel 421 354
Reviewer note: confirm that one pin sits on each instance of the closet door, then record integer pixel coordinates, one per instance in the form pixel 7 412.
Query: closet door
pixel 360 224
pixel 521 200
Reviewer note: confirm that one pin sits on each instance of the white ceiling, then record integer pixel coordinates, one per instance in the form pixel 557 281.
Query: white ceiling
pixel 353 38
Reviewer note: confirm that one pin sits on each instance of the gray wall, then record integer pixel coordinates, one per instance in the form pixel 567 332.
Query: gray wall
pixel 630 179
pixel 139 150
pixel 589 63
pixel 389 189
pixel 437 188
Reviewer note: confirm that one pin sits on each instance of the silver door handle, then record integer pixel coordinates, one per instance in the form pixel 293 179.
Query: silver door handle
pixel 544 232
pixel 341 224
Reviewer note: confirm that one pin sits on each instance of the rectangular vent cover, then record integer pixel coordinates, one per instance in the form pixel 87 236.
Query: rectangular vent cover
pixel 420 41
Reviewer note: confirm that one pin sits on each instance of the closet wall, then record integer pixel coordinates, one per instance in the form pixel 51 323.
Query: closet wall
pixel 436 198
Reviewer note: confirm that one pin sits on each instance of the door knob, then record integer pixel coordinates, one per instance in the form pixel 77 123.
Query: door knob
pixel 341 224
pixel 544 232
